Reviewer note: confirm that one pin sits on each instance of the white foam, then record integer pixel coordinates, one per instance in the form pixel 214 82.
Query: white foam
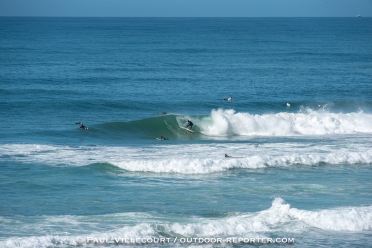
pixel 342 219
pixel 339 219
pixel 104 238
pixel 194 158
pixel 280 217
pixel 306 122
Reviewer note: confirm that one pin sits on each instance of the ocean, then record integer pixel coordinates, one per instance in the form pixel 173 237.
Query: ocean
pixel 297 175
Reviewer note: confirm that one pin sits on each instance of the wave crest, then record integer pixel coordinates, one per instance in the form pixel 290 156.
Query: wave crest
pixel 306 122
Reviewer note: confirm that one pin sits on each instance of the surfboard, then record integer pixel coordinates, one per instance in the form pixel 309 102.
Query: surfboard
pixel 162 139
pixel 187 129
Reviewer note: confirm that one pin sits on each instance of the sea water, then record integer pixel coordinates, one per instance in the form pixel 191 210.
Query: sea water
pixel 298 175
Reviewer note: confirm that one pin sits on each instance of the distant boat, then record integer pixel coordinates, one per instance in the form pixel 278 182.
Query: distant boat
pixel 358 16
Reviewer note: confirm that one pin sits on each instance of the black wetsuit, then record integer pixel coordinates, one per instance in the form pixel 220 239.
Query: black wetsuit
pixel 190 124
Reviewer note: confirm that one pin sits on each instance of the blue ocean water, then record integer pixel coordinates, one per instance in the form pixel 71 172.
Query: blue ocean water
pixel 298 174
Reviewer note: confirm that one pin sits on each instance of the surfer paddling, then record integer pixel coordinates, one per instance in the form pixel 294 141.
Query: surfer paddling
pixel 230 99
pixel 81 125
pixel 162 138
pixel 227 156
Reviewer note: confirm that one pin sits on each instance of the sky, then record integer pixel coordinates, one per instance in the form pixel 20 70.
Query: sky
pixel 186 8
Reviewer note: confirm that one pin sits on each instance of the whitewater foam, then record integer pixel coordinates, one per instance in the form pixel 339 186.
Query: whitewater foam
pixel 192 158
pixel 280 217
pixel 306 122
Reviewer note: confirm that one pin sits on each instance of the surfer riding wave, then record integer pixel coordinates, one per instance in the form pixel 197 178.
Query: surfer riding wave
pixel 189 124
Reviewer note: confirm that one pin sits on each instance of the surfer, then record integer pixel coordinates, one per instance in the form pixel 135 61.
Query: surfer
pixel 81 125
pixel 164 112
pixel 227 156
pixel 189 124
pixel 230 99
pixel 163 138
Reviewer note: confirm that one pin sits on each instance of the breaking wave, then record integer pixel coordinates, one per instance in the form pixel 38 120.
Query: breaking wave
pixel 231 124
pixel 280 217
pixel 307 122
pixel 190 158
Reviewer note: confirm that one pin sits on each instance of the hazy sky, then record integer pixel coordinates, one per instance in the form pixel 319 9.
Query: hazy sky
pixel 187 8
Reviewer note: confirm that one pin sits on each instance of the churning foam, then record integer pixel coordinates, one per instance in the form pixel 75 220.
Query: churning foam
pixel 193 158
pixel 306 122
pixel 279 218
